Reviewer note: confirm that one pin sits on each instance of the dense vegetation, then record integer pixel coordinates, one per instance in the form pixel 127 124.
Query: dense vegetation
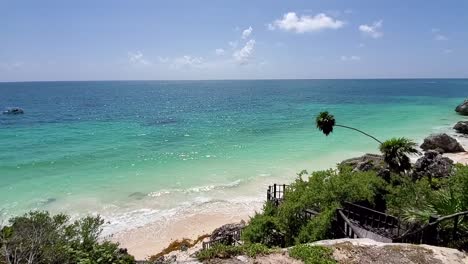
pixel 40 238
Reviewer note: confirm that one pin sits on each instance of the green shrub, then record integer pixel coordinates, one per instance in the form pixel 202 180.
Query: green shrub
pixel 225 251
pixel 263 229
pixel 312 254
pixel 37 237
pixel 318 228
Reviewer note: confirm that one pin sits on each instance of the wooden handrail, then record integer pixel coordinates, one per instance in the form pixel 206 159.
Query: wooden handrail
pixel 433 224
pixel 343 216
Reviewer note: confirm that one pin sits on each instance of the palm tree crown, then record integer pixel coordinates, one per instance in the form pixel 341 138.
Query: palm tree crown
pixel 325 122
pixel 395 153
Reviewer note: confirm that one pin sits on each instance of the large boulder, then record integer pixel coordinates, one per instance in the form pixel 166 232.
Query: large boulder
pixel 366 162
pixel 433 165
pixel 461 127
pixel 462 109
pixel 442 141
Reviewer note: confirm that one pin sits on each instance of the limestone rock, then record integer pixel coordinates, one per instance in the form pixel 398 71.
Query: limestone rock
pixel 461 127
pixel 443 141
pixel 462 109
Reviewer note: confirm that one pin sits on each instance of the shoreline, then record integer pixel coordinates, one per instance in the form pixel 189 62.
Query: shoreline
pixel 152 238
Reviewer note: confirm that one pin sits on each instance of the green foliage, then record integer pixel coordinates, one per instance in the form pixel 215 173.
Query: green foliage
pixel 38 237
pixel 263 228
pixel 312 254
pixel 408 195
pixel 324 191
pixel 225 251
pixel 318 228
pixel 325 122
pixel 395 153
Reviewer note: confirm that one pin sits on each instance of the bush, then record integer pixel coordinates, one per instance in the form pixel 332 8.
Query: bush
pixel 263 229
pixel 225 251
pixel 37 237
pixel 318 228
pixel 312 254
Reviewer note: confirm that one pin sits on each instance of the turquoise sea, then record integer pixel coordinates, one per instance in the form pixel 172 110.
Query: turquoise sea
pixel 129 149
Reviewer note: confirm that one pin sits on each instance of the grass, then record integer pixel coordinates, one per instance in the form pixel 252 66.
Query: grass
pixel 224 251
pixel 312 254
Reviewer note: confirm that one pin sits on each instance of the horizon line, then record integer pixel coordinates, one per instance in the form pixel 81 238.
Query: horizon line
pixel 253 79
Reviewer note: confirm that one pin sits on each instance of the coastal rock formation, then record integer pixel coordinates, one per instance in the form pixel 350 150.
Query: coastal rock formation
pixel 366 162
pixel 367 251
pixel 462 109
pixel 432 164
pixel 225 232
pixel 442 141
pixel 461 127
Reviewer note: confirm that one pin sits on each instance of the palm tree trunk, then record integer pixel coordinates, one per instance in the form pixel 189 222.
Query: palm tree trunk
pixel 355 129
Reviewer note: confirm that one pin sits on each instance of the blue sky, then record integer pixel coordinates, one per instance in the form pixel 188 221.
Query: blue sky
pixel 150 39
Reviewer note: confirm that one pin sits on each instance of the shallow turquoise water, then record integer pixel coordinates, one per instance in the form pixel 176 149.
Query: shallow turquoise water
pixel 119 147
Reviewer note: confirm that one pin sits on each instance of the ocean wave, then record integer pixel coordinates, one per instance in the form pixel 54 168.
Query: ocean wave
pixel 197 189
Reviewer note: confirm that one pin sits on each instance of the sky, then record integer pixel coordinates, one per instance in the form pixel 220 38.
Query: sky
pixel 232 39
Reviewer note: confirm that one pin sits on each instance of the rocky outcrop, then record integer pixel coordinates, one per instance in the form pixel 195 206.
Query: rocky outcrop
pixel 461 127
pixel 462 109
pixel 225 232
pixel 442 141
pixel 367 251
pixel 433 165
pixel 366 162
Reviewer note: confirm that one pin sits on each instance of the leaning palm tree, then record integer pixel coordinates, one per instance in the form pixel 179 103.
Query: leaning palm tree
pixel 395 153
pixel 325 123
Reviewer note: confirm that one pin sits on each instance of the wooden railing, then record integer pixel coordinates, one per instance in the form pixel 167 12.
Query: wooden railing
pixel 345 226
pixel 275 193
pixel 231 239
pixel 380 223
pixel 443 231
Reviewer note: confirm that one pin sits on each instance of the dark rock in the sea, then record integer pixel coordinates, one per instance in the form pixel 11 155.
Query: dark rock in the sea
pixel 443 141
pixel 225 232
pixel 461 127
pixel 433 165
pixel 462 109
pixel 365 163
pixel 13 111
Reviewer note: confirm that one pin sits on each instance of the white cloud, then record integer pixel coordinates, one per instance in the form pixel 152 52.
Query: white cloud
pixel 305 23
pixel 187 62
pixel 372 30
pixel 246 33
pixel 440 37
pixel 137 58
pixel 350 58
pixel 244 55
pixel 270 26
pixel 219 52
